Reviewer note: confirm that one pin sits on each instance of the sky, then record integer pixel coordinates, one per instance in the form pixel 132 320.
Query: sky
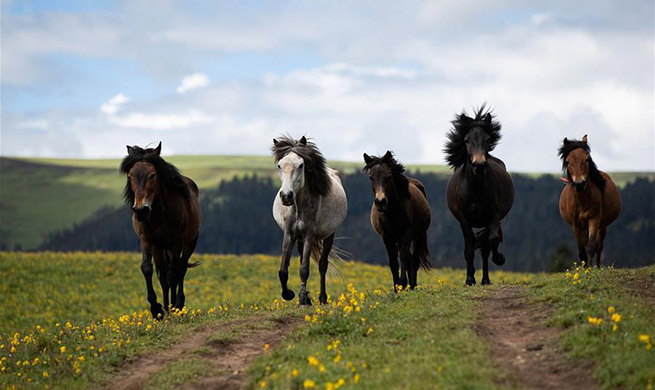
pixel 83 79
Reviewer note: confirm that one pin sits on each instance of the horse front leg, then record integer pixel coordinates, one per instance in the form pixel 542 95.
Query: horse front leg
pixel 183 262
pixel 581 240
pixel 484 251
pixel 162 275
pixel 392 252
pixel 601 244
pixel 469 252
pixel 283 274
pixel 592 241
pixel 304 269
pixel 146 269
pixel 323 266
pixel 405 263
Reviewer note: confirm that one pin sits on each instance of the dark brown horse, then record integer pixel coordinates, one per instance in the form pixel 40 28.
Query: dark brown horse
pixel 480 193
pixel 166 218
pixel 590 200
pixel 400 214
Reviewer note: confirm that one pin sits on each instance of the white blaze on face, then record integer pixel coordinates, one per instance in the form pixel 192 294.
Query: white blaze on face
pixel 292 173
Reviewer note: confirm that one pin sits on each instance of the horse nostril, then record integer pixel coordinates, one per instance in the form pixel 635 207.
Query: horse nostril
pixel 381 202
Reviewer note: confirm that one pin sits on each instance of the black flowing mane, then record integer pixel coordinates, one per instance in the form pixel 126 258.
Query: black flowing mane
pixel 570 145
pixel 318 179
pixel 455 149
pixel 169 176
pixel 400 180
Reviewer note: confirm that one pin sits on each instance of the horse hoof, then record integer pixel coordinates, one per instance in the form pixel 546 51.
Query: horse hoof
pixel 470 281
pixel 288 295
pixel 305 300
pixel 157 312
pixel 499 260
pixel 322 299
pixel 486 282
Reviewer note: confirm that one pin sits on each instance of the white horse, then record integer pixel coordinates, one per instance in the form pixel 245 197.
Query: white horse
pixel 309 207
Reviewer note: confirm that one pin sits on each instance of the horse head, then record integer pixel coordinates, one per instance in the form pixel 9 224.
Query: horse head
pixel 385 173
pixel 143 182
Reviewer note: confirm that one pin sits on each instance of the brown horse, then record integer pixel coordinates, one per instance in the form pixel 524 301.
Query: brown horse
pixel 400 214
pixel 590 200
pixel 166 218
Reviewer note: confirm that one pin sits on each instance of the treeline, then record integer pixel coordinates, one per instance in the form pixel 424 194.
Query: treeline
pixel 237 218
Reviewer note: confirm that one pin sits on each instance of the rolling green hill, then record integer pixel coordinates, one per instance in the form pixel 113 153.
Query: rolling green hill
pixel 41 196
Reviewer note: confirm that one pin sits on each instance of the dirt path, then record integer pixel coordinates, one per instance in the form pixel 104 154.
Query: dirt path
pixel 524 348
pixel 229 358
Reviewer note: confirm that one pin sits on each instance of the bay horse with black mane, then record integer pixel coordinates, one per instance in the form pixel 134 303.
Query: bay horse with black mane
pixel 590 201
pixel 165 217
pixel 309 207
pixel 400 214
pixel 480 192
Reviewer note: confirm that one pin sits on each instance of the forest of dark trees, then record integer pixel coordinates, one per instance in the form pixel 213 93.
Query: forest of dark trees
pixel 237 219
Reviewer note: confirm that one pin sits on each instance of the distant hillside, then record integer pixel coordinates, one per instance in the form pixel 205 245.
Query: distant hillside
pixel 43 196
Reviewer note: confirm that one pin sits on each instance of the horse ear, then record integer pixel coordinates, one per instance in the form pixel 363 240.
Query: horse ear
pixel 387 156
pixel 487 119
pixel 566 141
pixel 130 150
pixel 584 139
pixel 275 142
pixel 367 159
pixel 303 141
pixel 157 150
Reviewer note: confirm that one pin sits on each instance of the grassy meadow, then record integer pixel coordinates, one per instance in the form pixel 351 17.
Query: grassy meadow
pixel 68 320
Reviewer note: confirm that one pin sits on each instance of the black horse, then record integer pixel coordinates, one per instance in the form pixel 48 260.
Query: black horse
pixel 480 193
pixel 400 214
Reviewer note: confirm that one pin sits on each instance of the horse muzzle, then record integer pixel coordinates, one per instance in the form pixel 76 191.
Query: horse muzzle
pixel 479 167
pixel 381 204
pixel 580 185
pixel 287 198
pixel 142 213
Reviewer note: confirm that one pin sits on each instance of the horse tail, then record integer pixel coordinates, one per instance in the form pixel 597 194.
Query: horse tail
pixel 421 250
pixel 193 264
pixel 335 257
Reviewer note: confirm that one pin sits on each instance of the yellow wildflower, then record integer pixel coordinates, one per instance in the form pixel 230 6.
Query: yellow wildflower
pixel 62 349
pixel 611 309
pixel 312 361
pixel 308 384
pixel 294 373
pixel 644 338
pixel 616 317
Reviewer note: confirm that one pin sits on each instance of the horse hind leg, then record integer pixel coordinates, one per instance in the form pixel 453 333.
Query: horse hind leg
pixel 581 240
pixel 494 242
pixel 323 266
pixel 183 266
pixel 162 275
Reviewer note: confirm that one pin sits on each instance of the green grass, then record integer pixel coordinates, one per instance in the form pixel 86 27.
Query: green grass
pixel 412 340
pixel 94 305
pixel 622 361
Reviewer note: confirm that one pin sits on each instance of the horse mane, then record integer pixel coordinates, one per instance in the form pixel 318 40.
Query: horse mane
pixel 318 179
pixel 570 145
pixel 169 176
pixel 455 149
pixel 400 180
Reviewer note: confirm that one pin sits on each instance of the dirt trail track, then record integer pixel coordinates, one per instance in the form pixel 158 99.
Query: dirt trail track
pixel 229 358
pixel 524 348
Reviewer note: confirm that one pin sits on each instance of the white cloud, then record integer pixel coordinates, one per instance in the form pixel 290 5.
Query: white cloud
pixel 114 104
pixel 193 81
pixel 540 18
pixel 140 120
pixel 38 124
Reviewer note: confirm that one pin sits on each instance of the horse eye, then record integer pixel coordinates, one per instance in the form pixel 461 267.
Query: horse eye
pixel 370 178
pixel 300 166
pixel 151 176
pixel 278 167
pixel 466 141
